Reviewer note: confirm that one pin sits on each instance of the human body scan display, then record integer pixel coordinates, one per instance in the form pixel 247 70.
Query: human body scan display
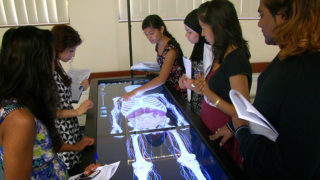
pixel 153 134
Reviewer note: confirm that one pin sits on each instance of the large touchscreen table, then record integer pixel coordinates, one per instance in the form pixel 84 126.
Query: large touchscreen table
pixel 151 136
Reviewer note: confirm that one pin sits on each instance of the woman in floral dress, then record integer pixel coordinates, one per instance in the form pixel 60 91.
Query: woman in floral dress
pixel 28 98
pixel 169 57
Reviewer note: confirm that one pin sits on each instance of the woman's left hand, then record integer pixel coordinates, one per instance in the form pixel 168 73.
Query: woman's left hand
pixel 199 85
pixel 84 106
pixel 84 142
pixel 85 84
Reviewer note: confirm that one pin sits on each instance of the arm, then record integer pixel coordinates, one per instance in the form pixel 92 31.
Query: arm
pixel 84 106
pixel 85 141
pixel 157 81
pixel 18 132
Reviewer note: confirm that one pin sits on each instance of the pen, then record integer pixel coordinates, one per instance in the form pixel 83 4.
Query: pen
pixel 95 157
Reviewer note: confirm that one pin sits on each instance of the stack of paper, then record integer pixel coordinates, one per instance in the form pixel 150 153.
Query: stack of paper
pixel 258 124
pixel 146 66
pixel 105 172
pixel 188 66
pixel 77 75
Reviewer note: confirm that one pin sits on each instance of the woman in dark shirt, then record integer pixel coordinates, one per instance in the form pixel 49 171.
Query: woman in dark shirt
pixel 287 95
pixel 231 68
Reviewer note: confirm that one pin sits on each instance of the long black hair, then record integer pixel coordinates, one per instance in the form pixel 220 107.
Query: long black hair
pixel 156 22
pixel 26 66
pixel 222 17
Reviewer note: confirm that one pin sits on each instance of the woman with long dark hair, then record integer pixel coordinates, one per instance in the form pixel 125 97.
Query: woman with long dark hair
pixel 169 57
pixel 66 41
pixel 28 102
pixel 231 69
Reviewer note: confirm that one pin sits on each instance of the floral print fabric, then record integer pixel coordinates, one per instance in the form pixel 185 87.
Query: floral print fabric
pixel 46 164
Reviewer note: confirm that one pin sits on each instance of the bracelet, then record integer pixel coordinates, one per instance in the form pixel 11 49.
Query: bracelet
pixel 217 102
pixel 230 127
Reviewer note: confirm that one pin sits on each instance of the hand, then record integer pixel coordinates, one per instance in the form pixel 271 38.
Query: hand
pixel 237 122
pixel 222 132
pixel 89 169
pixel 84 142
pixel 199 85
pixel 84 106
pixel 182 81
pixel 185 82
pixel 85 84
pixel 127 96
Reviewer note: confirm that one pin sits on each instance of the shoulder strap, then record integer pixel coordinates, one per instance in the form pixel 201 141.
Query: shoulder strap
pixel 7 109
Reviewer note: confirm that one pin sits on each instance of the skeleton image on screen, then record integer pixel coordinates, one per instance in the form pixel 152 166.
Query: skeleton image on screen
pixel 144 112
pixel 150 127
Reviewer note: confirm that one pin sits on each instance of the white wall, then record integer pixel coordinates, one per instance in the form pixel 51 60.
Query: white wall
pixel 105 46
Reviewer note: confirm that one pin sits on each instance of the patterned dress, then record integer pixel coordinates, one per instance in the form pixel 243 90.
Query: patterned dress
pixel 68 128
pixel 45 163
pixel 196 99
pixel 177 69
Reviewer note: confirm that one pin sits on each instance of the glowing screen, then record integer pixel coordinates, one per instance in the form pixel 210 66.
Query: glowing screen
pixel 153 136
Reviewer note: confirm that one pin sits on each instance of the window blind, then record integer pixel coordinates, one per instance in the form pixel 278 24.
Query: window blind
pixel 33 12
pixel 178 9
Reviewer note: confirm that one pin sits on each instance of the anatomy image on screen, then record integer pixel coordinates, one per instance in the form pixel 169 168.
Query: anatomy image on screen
pixel 153 122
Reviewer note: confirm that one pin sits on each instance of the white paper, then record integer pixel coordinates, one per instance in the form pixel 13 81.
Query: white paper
pixel 77 75
pixel 146 66
pixel 207 59
pixel 106 172
pixel 188 66
pixel 258 124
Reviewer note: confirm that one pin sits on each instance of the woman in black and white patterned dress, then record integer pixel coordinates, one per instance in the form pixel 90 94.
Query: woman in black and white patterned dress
pixel 66 41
